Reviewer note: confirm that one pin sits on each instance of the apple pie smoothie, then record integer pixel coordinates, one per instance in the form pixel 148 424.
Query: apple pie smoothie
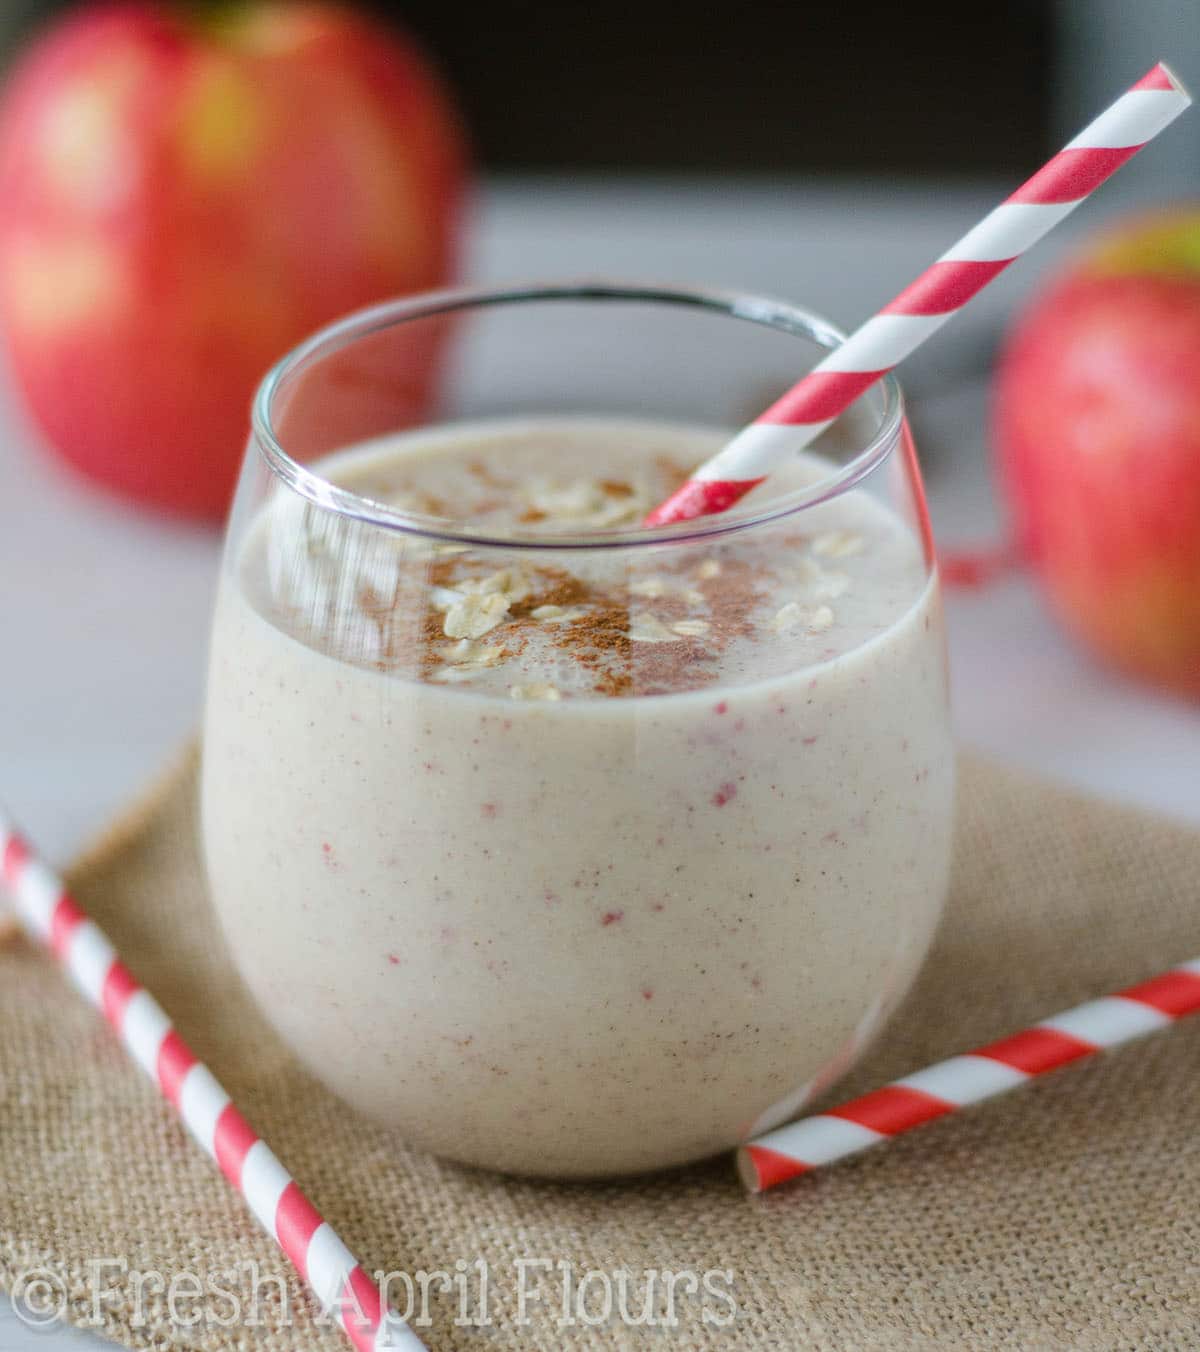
pixel 575 861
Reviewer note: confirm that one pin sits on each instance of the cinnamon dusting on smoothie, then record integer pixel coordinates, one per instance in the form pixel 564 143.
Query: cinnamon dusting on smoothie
pixel 601 643
pixel 602 622
pixel 624 641
pixel 559 588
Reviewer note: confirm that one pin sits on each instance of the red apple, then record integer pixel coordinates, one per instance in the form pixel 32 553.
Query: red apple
pixel 1097 421
pixel 181 202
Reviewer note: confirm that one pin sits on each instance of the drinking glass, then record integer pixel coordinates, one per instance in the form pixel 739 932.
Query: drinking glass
pixel 642 870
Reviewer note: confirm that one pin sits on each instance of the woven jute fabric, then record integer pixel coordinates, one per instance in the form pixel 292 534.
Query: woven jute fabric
pixel 1066 1215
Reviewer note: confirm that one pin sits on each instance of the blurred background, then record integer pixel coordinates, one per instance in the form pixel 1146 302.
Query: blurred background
pixel 817 154
pixel 172 218
pixel 876 88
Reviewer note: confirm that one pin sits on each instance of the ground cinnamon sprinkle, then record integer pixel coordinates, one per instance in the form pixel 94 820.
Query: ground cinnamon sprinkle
pixel 696 604
pixel 443 572
pixel 485 475
pixel 732 597
pixel 430 636
pixel 600 642
pixel 380 614
pixel 685 667
pixel 558 588
pixel 672 471
pixel 689 663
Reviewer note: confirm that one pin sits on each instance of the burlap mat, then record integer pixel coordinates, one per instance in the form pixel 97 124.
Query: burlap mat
pixel 1065 1216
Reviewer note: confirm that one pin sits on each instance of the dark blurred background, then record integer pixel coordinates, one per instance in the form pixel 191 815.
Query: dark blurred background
pixel 875 87
pixel 659 85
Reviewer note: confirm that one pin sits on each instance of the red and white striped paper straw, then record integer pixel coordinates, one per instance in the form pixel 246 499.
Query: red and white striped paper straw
pixel 963 1080
pixel 809 407
pixel 50 915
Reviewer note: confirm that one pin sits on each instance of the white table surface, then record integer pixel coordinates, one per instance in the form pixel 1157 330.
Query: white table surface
pixel 103 612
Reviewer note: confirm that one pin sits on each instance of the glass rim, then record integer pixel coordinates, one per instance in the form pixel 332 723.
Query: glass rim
pixel 782 316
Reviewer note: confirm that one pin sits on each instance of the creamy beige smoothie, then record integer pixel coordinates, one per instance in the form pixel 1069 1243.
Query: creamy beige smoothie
pixel 575 862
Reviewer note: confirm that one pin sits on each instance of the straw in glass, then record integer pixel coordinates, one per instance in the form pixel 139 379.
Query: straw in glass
pixel 962 1080
pixel 51 916
pixel 809 407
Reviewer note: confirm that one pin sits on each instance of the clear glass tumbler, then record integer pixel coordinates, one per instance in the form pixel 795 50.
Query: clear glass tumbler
pixel 563 846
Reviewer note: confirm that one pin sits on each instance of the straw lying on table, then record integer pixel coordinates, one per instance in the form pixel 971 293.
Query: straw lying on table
pixel 950 1085
pixel 50 915
pixel 809 407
